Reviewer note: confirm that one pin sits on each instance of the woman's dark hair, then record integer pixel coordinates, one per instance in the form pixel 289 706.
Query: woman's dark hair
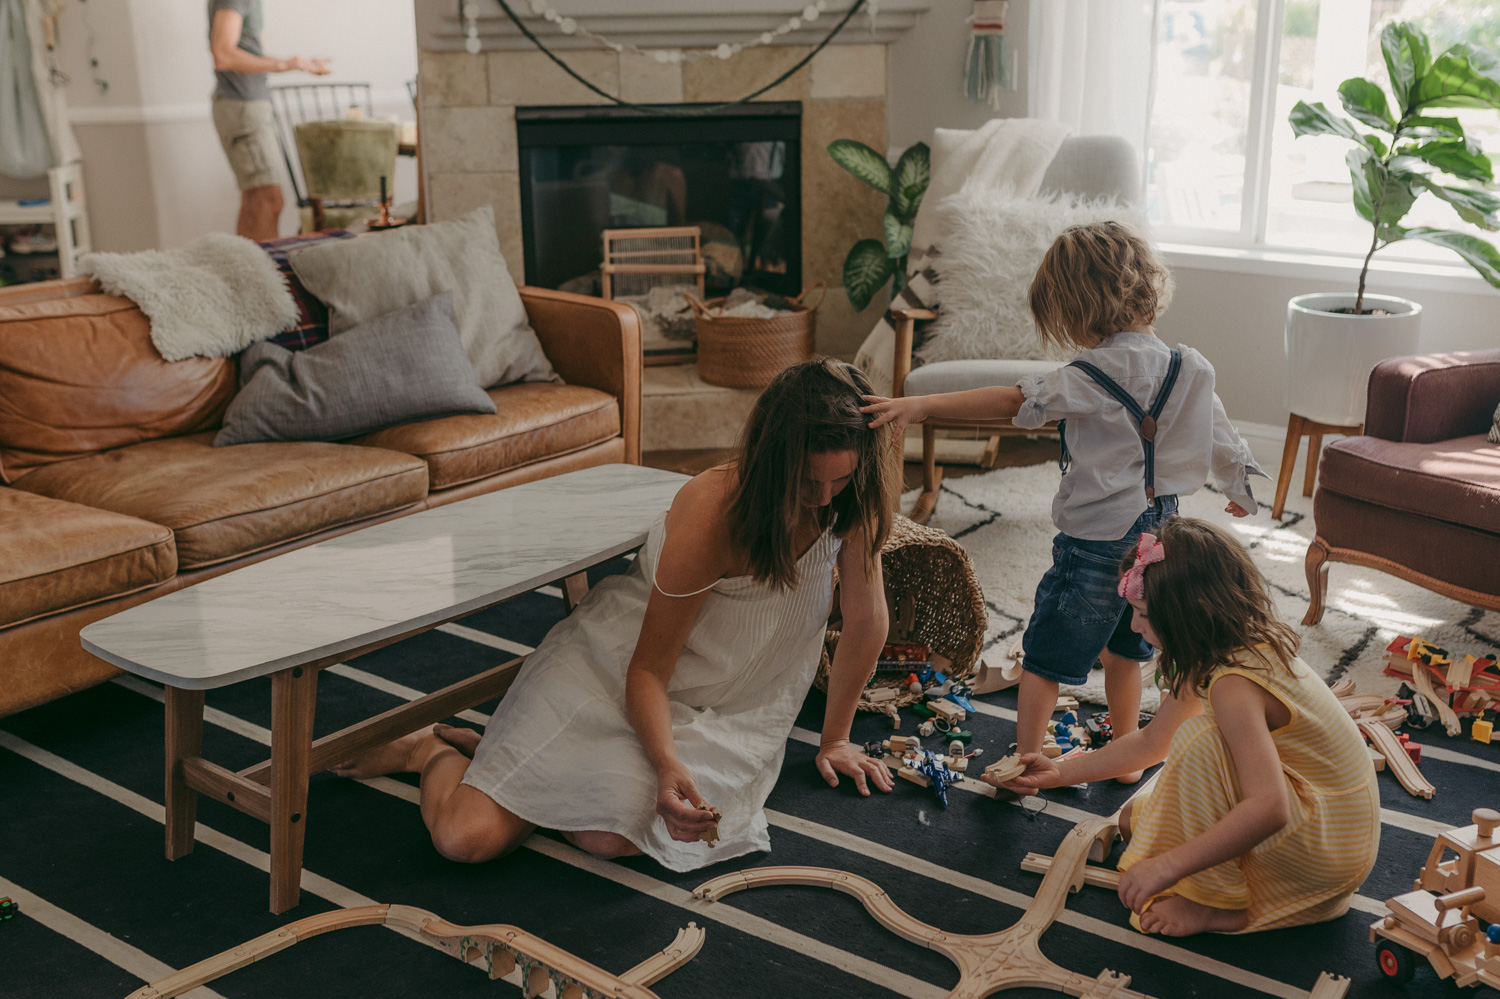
pixel 1207 602
pixel 810 408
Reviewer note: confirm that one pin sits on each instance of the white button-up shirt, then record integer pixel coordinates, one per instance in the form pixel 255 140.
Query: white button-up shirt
pixel 1104 490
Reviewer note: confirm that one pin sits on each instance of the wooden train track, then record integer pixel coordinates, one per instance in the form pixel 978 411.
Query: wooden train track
pixel 503 948
pixel 987 963
pixel 1396 759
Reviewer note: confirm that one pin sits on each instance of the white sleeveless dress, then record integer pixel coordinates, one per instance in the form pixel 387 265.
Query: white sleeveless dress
pixel 560 752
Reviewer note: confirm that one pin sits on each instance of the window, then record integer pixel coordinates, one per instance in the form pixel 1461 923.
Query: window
pixel 1223 166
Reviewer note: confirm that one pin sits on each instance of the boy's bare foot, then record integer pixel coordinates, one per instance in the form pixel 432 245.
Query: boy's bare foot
pixel 1175 916
pixel 395 757
pixel 465 740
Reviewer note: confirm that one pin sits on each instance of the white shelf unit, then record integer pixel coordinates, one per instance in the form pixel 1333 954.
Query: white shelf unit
pixel 66 211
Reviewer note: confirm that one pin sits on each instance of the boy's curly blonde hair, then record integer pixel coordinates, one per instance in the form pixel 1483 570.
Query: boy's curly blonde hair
pixel 1097 279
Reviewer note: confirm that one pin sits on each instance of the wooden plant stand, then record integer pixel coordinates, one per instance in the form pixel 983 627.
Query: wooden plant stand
pixel 503 947
pixel 987 963
pixel 1298 427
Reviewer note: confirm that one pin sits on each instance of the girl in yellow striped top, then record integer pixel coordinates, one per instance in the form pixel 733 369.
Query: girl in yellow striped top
pixel 1266 813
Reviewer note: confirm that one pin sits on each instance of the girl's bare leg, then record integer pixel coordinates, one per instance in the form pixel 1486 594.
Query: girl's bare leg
pixel 1122 692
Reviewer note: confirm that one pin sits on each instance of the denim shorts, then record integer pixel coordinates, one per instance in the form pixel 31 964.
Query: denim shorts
pixel 1079 611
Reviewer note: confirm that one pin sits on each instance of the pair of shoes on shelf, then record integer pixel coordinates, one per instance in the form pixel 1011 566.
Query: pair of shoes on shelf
pixel 28 243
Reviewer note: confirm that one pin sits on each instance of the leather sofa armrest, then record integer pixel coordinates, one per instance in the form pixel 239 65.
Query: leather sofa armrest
pixel 596 343
pixel 44 291
pixel 1424 398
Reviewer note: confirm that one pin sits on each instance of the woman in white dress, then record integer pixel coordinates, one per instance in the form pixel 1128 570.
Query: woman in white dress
pixel 670 691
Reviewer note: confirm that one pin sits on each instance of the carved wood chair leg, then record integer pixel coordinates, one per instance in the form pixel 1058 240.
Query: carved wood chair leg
pixel 1288 462
pixel 1317 580
pixel 932 478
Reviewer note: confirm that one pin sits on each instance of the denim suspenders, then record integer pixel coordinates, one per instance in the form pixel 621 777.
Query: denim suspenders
pixel 1145 421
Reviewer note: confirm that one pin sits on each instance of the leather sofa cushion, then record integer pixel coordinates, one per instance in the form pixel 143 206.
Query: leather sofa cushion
pixel 229 501
pixel 1455 480
pixel 532 421
pixel 1449 553
pixel 80 375
pixel 61 555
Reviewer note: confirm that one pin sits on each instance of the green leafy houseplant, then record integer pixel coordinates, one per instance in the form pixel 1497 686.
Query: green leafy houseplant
pixel 1422 151
pixel 871 262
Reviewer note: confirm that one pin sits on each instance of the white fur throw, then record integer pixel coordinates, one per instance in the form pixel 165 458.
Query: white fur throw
pixel 212 298
pixel 992 245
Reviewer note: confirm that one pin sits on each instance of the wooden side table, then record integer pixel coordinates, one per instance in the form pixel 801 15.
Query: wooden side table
pixel 1298 427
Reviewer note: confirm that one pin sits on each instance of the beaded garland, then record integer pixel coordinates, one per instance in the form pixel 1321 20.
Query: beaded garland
pixel 724 50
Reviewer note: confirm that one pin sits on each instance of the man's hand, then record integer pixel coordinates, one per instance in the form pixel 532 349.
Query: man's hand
pixel 897 412
pixel 1237 510
pixel 317 67
pixel 679 803
pixel 842 757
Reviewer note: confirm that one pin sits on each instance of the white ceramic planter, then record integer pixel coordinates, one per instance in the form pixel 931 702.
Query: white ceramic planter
pixel 1329 355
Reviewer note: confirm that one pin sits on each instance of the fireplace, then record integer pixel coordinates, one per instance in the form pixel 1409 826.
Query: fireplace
pixel 734 172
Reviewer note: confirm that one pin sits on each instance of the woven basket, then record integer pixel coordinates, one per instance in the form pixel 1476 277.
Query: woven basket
pixel 744 352
pixel 929 575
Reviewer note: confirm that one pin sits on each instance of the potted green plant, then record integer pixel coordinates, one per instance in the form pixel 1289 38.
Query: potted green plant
pixel 1333 340
pixel 873 262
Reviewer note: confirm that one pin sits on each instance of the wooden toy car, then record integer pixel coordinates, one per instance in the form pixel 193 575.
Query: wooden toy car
pixel 1439 921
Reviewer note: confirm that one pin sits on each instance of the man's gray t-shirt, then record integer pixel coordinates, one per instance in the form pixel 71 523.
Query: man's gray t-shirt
pixel 241 86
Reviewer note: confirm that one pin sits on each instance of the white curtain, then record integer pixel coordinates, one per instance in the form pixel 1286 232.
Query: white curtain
pixel 1091 65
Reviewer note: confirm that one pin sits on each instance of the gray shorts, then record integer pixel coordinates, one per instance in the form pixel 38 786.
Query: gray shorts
pixel 248 134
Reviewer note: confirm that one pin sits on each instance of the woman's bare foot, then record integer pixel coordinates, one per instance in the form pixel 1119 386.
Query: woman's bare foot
pixel 603 845
pixel 465 740
pixel 396 757
pixel 1175 916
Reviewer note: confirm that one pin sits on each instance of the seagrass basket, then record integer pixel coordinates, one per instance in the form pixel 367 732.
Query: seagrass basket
pixel 934 598
pixel 746 352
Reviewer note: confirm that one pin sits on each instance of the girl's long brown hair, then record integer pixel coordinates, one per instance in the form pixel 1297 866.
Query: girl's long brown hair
pixel 1207 602
pixel 810 408
pixel 1096 280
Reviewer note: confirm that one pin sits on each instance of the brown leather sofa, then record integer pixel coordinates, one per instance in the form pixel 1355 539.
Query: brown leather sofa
pixel 1418 495
pixel 113 493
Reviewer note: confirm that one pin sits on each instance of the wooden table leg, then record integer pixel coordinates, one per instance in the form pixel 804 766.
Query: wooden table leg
pixel 293 701
pixel 1294 425
pixel 184 739
pixel 575 588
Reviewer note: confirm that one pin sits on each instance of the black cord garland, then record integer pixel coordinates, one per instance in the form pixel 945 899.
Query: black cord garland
pixel 679 110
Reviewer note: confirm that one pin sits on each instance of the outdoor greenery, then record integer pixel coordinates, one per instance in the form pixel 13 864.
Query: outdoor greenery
pixel 1419 153
pixel 871 262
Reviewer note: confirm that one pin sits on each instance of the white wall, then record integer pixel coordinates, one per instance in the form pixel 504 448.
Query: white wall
pixel 155 174
pixel 924 70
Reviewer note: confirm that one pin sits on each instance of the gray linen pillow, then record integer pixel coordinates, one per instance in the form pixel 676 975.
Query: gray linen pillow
pixel 379 272
pixel 404 366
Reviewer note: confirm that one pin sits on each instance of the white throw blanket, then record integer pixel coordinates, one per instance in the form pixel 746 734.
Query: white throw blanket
pixel 211 298
pixel 1006 154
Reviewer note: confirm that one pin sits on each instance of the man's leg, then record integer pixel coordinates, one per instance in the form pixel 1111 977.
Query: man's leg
pixel 260 211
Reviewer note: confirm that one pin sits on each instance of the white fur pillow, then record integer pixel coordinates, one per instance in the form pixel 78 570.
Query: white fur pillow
pixel 992 245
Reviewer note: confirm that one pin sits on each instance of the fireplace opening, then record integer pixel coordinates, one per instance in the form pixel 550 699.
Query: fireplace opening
pixel 734 173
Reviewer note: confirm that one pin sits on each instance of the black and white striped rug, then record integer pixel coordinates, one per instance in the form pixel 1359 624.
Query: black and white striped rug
pixel 101 911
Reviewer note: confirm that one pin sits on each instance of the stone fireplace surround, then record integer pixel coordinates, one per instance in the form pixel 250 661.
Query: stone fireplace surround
pixel 467 108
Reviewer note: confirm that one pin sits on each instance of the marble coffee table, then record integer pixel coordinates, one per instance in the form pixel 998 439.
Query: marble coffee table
pixel 293 615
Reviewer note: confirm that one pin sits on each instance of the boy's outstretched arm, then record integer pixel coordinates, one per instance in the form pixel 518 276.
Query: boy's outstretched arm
pixel 1233 464
pixel 981 405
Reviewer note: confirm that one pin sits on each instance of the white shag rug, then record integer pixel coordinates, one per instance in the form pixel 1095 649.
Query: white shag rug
pixel 993 243
pixel 212 298
pixel 1004 520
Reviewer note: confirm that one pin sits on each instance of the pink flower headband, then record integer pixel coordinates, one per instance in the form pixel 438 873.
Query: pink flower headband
pixel 1147 552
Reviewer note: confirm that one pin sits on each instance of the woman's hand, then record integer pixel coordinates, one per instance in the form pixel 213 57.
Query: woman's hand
pixel 897 412
pixel 681 805
pixel 843 757
pixel 1040 774
pixel 1144 879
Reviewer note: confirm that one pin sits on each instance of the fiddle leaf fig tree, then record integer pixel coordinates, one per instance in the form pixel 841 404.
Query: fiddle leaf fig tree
pixel 873 262
pixel 1411 151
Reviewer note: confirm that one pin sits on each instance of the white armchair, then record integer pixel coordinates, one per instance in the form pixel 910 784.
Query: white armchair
pixel 1094 166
